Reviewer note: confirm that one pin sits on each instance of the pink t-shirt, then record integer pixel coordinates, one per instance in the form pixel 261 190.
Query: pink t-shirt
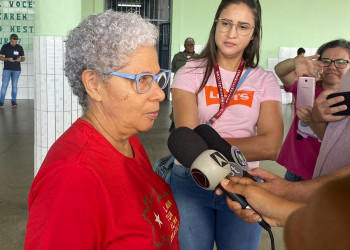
pixel 301 147
pixel 240 118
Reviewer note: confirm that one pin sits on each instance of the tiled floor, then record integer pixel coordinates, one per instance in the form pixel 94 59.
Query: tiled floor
pixel 17 160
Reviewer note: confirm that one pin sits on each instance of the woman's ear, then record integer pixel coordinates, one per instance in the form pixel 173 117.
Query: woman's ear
pixel 92 84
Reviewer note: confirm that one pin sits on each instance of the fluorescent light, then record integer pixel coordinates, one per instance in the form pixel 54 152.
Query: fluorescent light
pixel 129 5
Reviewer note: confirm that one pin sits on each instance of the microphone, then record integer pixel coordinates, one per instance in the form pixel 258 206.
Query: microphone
pixel 208 166
pixel 216 142
pixel 187 147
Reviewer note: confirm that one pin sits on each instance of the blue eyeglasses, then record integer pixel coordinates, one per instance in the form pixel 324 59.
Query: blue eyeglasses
pixel 144 81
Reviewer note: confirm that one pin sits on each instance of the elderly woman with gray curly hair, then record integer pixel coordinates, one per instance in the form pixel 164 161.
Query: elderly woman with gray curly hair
pixel 96 188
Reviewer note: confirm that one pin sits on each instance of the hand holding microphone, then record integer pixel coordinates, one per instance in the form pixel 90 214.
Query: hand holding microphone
pixel 274 209
pixel 208 166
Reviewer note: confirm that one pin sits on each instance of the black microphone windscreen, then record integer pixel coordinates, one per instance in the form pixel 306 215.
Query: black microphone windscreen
pixel 186 145
pixel 214 140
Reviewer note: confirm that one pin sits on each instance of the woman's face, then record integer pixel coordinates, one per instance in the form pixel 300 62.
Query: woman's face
pixel 332 75
pixel 128 111
pixel 230 43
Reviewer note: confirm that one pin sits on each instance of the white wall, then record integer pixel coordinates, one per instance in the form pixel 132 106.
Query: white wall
pixel 55 107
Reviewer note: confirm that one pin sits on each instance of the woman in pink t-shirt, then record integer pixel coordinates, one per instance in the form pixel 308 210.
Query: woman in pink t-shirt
pixel 252 121
pixel 302 144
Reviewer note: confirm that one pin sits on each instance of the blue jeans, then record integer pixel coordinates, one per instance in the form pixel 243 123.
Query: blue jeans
pixel 205 218
pixel 290 176
pixel 6 76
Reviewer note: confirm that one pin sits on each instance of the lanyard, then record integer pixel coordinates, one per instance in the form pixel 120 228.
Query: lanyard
pixel 225 101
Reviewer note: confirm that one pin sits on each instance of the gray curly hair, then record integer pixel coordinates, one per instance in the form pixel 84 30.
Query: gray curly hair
pixel 103 43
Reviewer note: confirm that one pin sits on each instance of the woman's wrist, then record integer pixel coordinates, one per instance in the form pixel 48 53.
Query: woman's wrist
pixel 286 67
pixel 293 61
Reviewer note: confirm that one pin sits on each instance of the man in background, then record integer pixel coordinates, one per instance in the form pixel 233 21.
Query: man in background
pixel 12 54
pixel 301 52
pixel 180 60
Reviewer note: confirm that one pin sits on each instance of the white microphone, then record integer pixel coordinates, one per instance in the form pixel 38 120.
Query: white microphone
pixel 208 166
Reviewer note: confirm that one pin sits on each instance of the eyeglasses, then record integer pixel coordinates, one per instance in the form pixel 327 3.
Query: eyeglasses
pixel 339 63
pixel 144 81
pixel 224 25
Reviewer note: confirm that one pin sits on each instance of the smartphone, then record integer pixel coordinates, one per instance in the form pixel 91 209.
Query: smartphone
pixel 346 102
pixel 306 91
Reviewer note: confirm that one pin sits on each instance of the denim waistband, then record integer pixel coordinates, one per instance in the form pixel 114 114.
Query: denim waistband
pixel 181 170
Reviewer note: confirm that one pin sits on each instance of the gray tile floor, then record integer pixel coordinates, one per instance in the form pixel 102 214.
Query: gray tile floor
pixel 17 167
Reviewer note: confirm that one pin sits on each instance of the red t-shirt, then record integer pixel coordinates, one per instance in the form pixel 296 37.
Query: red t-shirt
pixel 87 195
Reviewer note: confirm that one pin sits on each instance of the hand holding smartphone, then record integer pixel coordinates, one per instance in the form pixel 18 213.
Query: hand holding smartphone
pixel 346 102
pixel 306 91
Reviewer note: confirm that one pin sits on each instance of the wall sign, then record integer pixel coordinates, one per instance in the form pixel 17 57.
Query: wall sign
pixel 17 17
